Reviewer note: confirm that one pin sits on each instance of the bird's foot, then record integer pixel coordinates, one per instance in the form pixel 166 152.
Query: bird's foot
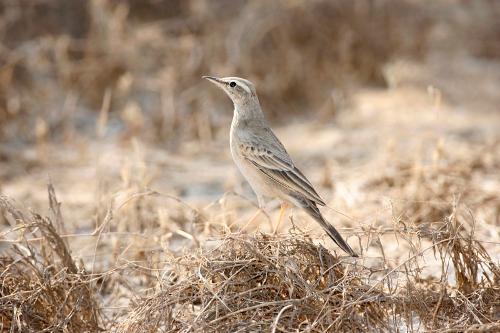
pixel 256 215
pixel 284 207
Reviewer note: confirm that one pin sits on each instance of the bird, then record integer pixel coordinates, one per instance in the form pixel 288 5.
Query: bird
pixel 263 160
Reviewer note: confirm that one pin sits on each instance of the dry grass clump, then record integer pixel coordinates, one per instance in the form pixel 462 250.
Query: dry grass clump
pixel 283 284
pixel 262 283
pixel 467 294
pixel 42 289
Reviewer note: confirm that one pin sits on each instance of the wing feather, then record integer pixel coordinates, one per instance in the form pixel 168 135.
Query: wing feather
pixel 280 168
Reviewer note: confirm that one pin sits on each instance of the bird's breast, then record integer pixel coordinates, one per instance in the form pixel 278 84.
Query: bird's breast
pixel 253 175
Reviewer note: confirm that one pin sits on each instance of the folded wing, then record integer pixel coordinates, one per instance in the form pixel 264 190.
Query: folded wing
pixel 276 164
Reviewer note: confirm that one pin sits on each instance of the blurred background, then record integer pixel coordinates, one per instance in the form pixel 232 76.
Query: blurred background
pixel 65 62
pixel 105 99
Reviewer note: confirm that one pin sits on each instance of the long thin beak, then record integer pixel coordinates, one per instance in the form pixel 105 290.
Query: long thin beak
pixel 213 79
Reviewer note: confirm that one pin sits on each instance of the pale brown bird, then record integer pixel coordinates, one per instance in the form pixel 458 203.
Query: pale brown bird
pixel 264 161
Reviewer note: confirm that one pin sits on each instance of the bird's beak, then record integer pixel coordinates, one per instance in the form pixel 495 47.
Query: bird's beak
pixel 215 80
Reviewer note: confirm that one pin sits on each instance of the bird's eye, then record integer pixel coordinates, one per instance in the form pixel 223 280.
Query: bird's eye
pixel 232 84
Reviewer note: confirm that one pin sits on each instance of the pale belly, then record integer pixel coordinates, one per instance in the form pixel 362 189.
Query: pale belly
pixel 253 176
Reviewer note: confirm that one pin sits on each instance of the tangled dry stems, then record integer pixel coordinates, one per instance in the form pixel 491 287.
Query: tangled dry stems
pixel 42 289
pixel 262 283
pixel 265 283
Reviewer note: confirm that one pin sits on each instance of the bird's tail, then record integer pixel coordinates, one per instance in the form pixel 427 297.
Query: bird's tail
pixel 311 209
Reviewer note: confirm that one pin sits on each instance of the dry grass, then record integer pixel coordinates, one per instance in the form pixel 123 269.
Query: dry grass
pixel 432 190
pixel 259 283
pixel 253 283
pixel 42 288
pixel 281 284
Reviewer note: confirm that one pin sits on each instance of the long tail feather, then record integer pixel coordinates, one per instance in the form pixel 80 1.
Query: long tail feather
pixel 311 208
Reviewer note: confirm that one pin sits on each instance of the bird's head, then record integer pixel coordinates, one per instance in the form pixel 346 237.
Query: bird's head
pixel 241 91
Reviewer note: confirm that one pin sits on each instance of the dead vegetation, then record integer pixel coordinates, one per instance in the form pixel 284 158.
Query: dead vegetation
pixel 431 190
pixel 42 288
pixel 281 284
pixel 254 283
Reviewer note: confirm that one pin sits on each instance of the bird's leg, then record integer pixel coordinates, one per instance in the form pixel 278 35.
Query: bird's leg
pixel 252 219
pixel 284 207
pixel 260 210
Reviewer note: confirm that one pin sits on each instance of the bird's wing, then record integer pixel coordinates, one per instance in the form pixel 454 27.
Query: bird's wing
pixel 271 158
